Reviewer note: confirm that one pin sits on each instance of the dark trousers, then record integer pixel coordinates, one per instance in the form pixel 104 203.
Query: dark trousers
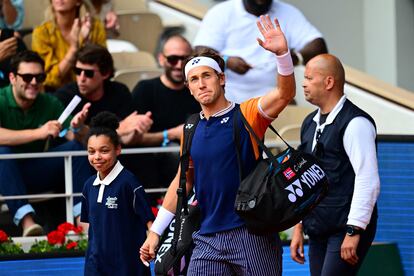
pixel 325 253
pixel 37 175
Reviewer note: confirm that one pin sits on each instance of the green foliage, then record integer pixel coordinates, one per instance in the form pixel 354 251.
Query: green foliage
pixel 59 240
pixel 283 236
pixel 42 247
pixel 83 244
pixel 10 248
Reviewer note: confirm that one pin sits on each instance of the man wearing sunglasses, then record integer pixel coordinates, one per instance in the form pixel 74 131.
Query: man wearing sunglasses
pixel 93 68
pixel 170 103
pixel 27 119
pixel 343 138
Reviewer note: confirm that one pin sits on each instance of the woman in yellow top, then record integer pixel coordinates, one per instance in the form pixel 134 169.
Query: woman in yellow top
pixel 58 39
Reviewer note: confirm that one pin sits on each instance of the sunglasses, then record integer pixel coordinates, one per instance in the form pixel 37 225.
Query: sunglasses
pixel 27 78
pixel 173 59
pixel 89 73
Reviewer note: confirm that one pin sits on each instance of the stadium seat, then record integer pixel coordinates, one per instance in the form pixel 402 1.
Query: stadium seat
pixel 127 5
pixel 143 29
pixel 34 13
pixel 130 77
pixel 130 60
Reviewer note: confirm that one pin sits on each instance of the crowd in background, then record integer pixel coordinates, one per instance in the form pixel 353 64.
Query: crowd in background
pixel 68 57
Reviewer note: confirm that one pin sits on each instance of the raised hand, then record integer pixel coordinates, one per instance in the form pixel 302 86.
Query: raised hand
pixel 111 21
pixel 86 25
pixel 80 117
pixel 135 122
pixel 74 33
pixel 8 48
pixel 274 39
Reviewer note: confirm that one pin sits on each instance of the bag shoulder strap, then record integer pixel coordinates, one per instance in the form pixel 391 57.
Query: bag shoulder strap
pixel 189 128
pixel 237 140
pixel 258 141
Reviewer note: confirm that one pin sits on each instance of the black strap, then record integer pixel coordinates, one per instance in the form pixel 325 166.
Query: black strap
pixel 260 142
pixel 237 141
pixel 189 128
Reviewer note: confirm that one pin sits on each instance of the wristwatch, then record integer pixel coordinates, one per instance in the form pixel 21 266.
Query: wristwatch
pixel 353 230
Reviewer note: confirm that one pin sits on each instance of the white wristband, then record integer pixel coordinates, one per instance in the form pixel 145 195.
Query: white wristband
pixel 164 217
pixel 284 64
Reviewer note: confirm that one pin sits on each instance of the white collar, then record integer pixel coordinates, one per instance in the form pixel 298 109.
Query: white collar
pixel 332 115
pixel 221 112
pixel 110 177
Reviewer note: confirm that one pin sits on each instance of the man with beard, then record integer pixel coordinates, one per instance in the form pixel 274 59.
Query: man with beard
pixel 251 70
pixel 170 103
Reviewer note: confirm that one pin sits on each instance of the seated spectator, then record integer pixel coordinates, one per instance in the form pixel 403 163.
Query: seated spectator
pixel 104 9
pixel 93 68
pixel 27 119
pixel 8 48
pixel 249 70
pixel 58 39
pixel 170 103
pixel 11 14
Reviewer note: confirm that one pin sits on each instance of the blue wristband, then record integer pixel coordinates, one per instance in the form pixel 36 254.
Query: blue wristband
pixel 165 136
pixel 225 58
pixel 75 129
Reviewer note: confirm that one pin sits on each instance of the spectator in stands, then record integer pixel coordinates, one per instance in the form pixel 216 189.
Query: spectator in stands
pixel 249 69
pixel 104 9
pixel 27 119
pixel 93 68
pixel 58 39
pixel 11 14
pixel 343 137
pixel 9 46
pixel 170 103
pixel 11 17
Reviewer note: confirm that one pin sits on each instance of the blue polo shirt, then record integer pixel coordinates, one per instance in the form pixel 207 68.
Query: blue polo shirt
pixel 216 171
pixel 117 218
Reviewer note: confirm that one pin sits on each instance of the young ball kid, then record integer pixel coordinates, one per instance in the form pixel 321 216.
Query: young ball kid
pixel 114 204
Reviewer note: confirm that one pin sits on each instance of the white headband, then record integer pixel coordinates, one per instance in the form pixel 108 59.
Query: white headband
pixel 201 61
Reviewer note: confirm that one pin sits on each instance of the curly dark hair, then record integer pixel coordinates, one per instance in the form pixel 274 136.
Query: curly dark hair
pixel 105 123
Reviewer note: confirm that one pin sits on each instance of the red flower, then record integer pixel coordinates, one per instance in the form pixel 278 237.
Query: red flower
pixel 154 211
pixel 3 236
pixel 71 245
pixel 78 229
pixel 56 237
pixel 66 227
